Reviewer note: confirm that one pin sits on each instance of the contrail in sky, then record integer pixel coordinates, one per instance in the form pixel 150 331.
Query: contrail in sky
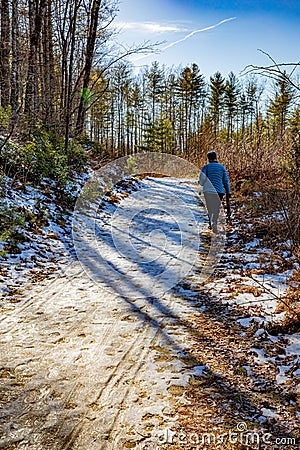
pixel 211 27
pixel 198 31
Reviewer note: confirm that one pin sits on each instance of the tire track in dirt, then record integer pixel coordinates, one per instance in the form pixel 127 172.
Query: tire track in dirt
pixel 36 298
pixel 52 328
pixel 124 373
pixel 86 368
pixel 110 400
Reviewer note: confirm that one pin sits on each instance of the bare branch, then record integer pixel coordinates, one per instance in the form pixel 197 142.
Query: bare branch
pixel 146 48
pixel 275 71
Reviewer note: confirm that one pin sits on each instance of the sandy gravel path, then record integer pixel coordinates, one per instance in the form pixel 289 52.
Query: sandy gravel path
pixel 86 367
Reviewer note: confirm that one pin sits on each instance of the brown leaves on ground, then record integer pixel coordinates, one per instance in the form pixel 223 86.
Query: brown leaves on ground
pixel 238 288
pixel 234 389
pixel 242 383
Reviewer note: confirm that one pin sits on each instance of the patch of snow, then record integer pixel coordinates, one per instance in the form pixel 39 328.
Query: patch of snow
pixel 245 322
pixel 252 244
pixel 286 254
pixel 263 301
pixel 259 332
pixel 294 345
pixel 46 248
pixel 281 377
pixel 268 412
pixel 275 318
pixel 248 369
pixel 276 283
pixel 199 371
pixel 273 338
pixel 261 359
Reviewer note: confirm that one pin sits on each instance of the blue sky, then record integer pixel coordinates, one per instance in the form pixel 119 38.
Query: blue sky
pixel 215 34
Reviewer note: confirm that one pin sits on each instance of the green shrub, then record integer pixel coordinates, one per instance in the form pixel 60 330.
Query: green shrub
pixel 42 155
pixel 5 115
pixel 97 150
pixel 77 159
pixel 13 224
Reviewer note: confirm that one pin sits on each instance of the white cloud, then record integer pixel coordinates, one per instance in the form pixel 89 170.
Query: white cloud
pixel 150 27
pixel 192 33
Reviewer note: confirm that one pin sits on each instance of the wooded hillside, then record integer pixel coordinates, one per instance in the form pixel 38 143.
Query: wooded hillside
pixel 64 82
pixel 61 71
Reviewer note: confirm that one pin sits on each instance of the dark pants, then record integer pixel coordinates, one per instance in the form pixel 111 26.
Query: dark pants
pixel 213 206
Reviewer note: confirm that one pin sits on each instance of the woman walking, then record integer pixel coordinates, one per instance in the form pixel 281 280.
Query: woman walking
pixel 215 182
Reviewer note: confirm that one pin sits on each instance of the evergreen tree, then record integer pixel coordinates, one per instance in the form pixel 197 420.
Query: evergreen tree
pixel 192 93
pixel 154 87
pixel 231 102
pixel 217 91
pixel 293 166
pixel 278 111
pixel 136 110
pixel 158 136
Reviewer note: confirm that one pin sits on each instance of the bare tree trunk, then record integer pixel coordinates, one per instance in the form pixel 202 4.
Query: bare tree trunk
pixel 5 54
pixel 36 17
pixel 49 87
pixel 90 48
pixel 69 74
pixel 15 86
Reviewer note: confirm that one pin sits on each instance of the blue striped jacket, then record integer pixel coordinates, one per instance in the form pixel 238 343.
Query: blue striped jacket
pixel 214 178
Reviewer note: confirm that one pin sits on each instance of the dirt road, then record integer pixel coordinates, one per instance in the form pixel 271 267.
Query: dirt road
pixel 99 363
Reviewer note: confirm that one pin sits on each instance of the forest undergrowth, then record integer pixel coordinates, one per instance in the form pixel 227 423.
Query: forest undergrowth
pixel 247 395
pixel 269 216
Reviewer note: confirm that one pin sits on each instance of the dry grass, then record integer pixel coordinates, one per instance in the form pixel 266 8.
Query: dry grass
pixel 271 215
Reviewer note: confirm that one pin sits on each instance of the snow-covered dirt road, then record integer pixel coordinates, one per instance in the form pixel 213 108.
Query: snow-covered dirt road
pixel 104 353
pixel 97 357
